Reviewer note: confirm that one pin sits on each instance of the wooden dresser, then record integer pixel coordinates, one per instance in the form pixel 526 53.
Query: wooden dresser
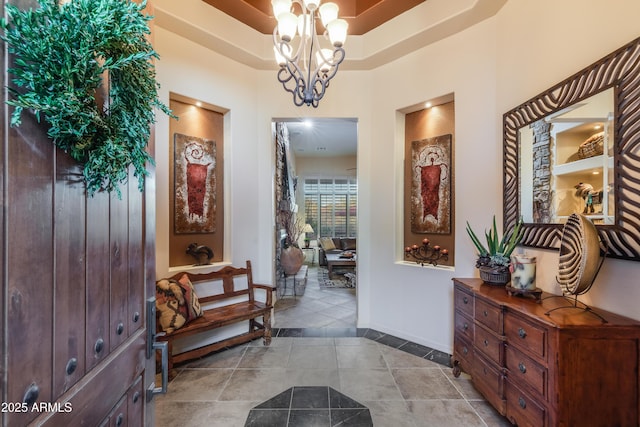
pixel 538 368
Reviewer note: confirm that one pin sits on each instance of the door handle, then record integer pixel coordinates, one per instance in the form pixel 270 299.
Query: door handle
pixel 152 347
pixel 164 352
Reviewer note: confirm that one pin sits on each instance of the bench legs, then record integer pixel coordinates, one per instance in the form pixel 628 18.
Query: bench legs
pixel 253 325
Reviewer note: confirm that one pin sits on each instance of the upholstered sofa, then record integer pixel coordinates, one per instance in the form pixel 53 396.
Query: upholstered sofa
pixel 334 245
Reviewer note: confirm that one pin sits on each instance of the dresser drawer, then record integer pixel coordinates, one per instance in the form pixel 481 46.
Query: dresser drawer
pixel 490 382
pixel 524 370
pixel 528 337
pixel 463 301
pixel 463 326
pixel 491 345
pixel 489 315
pixel 524 410
pixel 463 352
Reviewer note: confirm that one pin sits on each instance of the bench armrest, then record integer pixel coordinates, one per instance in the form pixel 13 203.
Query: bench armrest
pixel 269 291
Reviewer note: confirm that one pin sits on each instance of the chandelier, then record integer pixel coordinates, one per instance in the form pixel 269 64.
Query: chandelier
pixel 305 66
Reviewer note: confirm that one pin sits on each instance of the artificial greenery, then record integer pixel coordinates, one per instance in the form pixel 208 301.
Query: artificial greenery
pixel 498 251
pixel 64 55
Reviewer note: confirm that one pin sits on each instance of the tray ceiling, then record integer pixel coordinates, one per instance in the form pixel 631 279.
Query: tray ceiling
pixel 362 15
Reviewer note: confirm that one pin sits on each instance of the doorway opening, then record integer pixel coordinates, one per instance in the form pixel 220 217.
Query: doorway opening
pixel 316 210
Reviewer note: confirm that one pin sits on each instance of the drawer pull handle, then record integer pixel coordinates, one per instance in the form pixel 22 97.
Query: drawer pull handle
pixel 465 326
pixel 522 368
pixel 465 350
pixel 465 300
pixel 486 343
pixel 522 403
pixel 522 333
pixel 486 314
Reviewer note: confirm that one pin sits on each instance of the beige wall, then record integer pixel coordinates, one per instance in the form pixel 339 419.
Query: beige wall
pixel 490 67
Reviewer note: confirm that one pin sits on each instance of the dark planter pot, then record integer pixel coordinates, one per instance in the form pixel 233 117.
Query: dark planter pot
pixel 495 278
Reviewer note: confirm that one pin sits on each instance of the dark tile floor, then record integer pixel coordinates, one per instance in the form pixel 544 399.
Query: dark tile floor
pixel 303 406
pixel 401 383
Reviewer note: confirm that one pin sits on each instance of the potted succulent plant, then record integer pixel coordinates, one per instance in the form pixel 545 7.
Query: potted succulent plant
pixel 494 258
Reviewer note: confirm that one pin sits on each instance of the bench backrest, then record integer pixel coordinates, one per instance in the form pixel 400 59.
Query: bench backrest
pixel 231 277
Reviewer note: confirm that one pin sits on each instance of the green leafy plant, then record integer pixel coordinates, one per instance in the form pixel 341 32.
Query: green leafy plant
pixel 64 56
pixel 497 252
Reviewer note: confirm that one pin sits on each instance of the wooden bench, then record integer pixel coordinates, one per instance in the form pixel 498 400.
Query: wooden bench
pixel 227 311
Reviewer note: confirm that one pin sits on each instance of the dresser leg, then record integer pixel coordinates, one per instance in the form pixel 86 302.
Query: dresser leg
pixel 456 367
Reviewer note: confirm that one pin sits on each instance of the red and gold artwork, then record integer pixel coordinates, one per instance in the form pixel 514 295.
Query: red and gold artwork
pixel 431 185
pixel 194 184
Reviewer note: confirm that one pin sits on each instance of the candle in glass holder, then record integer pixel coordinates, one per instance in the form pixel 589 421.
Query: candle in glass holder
pixel 523 272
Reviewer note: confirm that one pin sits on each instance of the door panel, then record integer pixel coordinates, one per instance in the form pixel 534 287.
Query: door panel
pixel 136 273
pixel 69 245
pixel 29 269
pixel 76 272
pixel 93 398
pixel 97 279
pixel 119 281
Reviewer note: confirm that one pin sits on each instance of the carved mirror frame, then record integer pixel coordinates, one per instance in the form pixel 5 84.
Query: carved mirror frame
pixel 621 71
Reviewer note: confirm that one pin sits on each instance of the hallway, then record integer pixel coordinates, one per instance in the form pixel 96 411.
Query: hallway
pixel 319 307
pixel 316 344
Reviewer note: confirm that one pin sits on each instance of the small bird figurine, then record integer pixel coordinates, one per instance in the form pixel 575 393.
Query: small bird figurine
pixel 203 254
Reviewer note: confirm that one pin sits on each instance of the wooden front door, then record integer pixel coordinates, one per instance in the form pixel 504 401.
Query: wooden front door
pixel 76 274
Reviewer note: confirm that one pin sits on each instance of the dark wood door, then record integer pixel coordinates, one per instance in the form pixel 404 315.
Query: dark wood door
pixel 76 272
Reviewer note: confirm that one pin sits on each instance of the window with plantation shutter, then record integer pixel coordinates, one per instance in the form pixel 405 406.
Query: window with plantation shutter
pixel 331 206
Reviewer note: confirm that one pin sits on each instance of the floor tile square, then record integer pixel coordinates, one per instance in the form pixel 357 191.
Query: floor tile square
pixel 360 357
pixel 309 418
pixel 313 357
pixel 424 384
pixel 267 418
pixel 281 401
pixel 338 400
pixel 351 418
pixel 368 384
pixel 258 357
pixel 310 398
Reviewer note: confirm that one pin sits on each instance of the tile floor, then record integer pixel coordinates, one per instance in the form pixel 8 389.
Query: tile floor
pixel 318 307
pixel 316 344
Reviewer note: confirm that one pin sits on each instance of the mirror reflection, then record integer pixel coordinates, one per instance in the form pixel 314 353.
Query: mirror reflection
pixel 566 163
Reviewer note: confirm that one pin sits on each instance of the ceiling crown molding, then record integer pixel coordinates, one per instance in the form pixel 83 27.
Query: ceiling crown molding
pixel 416 28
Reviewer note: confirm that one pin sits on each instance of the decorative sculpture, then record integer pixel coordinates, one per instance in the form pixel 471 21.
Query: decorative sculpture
pixel 589 195
pixel 203 254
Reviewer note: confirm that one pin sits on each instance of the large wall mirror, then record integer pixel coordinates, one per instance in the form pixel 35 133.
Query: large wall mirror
pixel 575 148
